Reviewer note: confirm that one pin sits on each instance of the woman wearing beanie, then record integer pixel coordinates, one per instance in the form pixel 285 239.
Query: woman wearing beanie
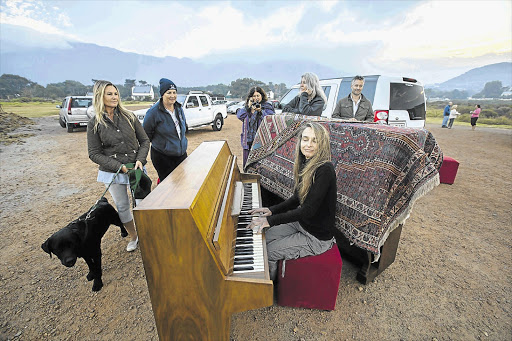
pixel 165 126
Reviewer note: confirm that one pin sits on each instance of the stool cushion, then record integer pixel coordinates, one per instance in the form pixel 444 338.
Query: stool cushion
pixel 448 170
pixel 310 282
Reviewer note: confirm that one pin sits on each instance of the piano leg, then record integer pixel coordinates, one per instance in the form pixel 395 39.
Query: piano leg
pixel 369 270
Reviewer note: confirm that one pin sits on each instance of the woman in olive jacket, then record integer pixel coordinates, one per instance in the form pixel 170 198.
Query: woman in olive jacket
pixel 115 137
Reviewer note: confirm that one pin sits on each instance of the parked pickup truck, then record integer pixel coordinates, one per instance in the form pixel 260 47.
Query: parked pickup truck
pixel 199 111
pixel 397 101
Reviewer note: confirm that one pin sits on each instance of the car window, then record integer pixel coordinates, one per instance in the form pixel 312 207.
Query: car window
pixel 80 103
pixel 327 90
pixel 194 101
pixel 204 101
pixel 344 88
pixel 289 96
pixel 410 97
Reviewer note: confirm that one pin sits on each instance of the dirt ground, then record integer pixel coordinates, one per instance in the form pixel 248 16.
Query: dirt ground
pixel 451 279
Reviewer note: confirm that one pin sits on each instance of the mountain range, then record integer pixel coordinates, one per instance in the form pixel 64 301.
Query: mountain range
pixel 474 80
pixel 45 58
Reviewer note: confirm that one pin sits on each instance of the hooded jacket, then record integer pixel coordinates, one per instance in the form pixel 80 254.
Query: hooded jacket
pixel 162 133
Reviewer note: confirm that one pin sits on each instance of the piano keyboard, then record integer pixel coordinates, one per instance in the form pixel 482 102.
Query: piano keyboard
pixel 249 244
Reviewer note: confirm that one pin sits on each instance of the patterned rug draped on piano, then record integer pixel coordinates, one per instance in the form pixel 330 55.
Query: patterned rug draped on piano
pixel 381 171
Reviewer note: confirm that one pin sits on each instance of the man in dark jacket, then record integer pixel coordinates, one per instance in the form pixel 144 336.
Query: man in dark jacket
pixel 165 126
pixel 354 107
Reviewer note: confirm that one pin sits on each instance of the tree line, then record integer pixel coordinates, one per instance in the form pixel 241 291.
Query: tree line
pixel 492 89
pixel 14 86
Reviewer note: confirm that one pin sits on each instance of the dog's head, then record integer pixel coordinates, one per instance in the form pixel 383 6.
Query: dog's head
pixel 65 244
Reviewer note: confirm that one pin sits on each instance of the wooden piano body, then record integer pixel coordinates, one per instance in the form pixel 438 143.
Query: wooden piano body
pixel 186 232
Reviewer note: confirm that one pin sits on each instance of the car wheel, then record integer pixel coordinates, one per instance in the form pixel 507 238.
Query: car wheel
pixel 70 128
pixel 62 123
pixel 217 124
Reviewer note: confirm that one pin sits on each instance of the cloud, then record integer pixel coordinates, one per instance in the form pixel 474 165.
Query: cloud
pixel 224 28
pixel 35 15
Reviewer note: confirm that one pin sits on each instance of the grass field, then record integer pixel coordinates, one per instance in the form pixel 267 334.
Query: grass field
pixel 31 109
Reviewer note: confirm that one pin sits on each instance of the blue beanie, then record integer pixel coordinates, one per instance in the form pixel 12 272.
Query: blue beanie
pixel 166 84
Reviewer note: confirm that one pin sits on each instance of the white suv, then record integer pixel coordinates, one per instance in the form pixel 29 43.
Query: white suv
pixel 73 112
pixel 397 101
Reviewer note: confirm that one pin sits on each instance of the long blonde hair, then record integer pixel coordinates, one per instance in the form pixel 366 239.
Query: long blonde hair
pixel 99 105
pixel 304 172
pixel 313 84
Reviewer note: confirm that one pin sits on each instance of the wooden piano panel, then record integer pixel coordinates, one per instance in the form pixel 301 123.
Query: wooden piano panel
pixel 192 298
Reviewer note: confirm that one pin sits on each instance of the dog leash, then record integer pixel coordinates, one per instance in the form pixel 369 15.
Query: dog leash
pixel 96 203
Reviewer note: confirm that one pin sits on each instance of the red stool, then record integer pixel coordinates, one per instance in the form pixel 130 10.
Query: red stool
pixel 448 170
pixel 310 282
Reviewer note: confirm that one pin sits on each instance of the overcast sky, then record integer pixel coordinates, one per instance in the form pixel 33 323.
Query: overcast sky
pixel 430 40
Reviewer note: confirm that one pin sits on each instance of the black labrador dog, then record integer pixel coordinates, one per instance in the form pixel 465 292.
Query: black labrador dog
pixel 82 238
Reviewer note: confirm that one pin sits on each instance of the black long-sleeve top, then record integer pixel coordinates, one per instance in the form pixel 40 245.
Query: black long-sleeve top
pixel 317 214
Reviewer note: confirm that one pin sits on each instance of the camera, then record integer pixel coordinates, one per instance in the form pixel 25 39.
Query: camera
pixel 256 105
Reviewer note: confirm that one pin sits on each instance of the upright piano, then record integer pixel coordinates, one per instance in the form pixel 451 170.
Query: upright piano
pixel 201 263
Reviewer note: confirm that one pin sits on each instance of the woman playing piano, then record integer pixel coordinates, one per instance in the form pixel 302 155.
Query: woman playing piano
pixel 303 225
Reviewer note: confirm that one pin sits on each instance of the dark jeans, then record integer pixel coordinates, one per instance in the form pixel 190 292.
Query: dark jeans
pixel 450 123
pixel 165 164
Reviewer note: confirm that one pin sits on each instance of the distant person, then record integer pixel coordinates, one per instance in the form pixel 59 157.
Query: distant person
pixel 446 115
pixel 166 125
pixel 474 116
pixel 453 115
pixel 115 137
pixel 354 107
pixel 310 99
pixel 303 225
pixel 256 107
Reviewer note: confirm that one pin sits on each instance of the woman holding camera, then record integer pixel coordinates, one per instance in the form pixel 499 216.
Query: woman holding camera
pixel 311 98
pixel 256 107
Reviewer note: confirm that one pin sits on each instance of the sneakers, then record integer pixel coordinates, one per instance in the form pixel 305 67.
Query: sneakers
pixel 132 245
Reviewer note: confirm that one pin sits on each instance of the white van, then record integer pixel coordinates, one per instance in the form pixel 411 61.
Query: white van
pixel 397 101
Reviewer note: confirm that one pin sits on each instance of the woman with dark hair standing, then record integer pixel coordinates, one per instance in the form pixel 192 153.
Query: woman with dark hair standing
pixel 256 107
pixel 166 125
pixel 303 225
pixel 311 98
pixel 115 137
pixel 474 116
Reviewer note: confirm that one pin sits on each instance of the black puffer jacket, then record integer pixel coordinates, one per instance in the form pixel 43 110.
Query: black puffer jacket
pixel 301 105
pixel 117 143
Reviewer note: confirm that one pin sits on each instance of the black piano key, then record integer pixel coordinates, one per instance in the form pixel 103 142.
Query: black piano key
pixel 243 268
pixel 243 241
pixel 243 262
pixel 244 253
